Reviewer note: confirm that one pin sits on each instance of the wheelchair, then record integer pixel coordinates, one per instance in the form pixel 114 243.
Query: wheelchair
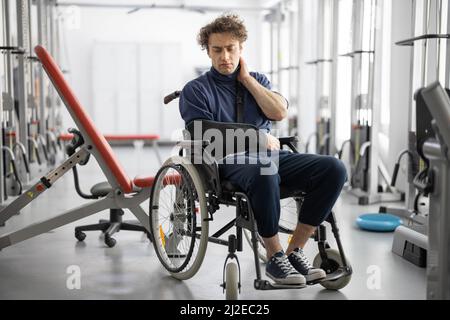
pixel 186 194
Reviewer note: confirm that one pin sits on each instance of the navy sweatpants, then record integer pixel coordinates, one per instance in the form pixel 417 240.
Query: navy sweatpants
pixel 260 177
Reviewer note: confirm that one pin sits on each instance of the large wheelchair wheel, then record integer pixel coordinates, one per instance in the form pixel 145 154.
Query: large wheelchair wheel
pixel 179 218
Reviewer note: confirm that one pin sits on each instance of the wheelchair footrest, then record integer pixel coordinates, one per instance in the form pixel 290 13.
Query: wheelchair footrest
pixel 267 285
pixel 339 273
pixel 313 282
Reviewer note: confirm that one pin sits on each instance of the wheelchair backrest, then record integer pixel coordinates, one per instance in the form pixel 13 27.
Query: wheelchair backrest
pixel 226 137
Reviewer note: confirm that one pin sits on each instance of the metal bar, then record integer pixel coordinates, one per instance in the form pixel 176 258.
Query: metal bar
pixel 22 72
pixel 300 54
pixel 38 188
pixel 356 52
pixel 140 214
pixel 317 61
pixel 132 6
pixel 411 41
pixel 7 65
pixel 156 150
pixel 293 93
pixel 319 70
pixel 438 30
pixel 271 51
pixel 227 227
pixel 447 56
pixel 218 241
pixel 53 223
pixel 410 192
pixel 332 99
pixel 278 51
pixel 51 42
pixel 40 21
pixel 8 45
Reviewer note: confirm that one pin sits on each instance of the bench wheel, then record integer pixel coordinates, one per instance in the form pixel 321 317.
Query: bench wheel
pixel 334 262
pixel 231 281
pixel 178 218
pixel 80 236
pixel 110 242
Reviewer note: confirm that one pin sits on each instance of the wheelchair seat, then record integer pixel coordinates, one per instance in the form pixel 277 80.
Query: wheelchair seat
pixel 228 186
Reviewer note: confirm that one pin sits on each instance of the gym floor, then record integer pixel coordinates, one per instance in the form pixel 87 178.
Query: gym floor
pixel 39 268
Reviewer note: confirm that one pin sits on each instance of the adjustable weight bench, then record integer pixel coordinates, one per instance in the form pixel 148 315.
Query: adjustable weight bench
pixel 114 223
pixel 122 192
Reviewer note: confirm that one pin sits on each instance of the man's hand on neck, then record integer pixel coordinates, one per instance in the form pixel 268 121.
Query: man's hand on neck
pixel 244 75
pixel 273 105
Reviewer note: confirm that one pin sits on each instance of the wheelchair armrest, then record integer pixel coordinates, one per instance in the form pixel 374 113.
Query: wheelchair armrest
pixel 286 140
pixel 289 141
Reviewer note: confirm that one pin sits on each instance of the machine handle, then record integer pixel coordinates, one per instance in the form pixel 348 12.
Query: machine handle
pixel 394 176
pixel 24 155
pixel 36 148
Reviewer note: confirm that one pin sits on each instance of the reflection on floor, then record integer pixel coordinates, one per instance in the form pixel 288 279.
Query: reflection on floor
pixel 42 267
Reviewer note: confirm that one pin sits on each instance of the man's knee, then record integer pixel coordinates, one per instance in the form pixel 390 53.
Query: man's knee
pixel 335 170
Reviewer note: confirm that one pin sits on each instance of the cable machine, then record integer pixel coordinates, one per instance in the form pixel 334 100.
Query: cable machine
pixel 430 62
pixel 28 141
pixel 367 169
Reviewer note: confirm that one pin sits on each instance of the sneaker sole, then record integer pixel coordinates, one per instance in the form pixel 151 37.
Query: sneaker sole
pixel 288 281
pixel 315 277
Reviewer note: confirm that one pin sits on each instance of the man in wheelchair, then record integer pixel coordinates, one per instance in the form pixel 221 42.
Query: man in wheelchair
pixel 229 93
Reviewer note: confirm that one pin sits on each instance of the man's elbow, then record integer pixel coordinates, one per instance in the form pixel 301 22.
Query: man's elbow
pixel 280 114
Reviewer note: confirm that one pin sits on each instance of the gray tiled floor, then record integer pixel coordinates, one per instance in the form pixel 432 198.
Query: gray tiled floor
pixel 37 268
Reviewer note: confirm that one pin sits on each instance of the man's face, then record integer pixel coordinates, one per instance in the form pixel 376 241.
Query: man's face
pixel 224 52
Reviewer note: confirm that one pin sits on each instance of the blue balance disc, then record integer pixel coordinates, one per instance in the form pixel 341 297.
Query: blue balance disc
pixel 383 222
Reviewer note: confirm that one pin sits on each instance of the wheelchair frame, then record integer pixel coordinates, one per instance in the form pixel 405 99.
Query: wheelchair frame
pixel 216 195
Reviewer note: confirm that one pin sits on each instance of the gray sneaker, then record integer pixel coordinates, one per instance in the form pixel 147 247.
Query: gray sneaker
pixel 281 271
pixel 301 263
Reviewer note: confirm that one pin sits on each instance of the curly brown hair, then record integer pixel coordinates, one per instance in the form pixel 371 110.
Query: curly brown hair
pixel 227 22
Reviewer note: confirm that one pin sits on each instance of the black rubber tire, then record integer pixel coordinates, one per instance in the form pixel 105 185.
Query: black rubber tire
pixel 335 257
pixel 110 242
pixel 80 235
pixel 231 281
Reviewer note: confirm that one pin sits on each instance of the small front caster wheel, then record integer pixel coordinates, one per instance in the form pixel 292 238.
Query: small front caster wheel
pixel 334 262
pixel 231 281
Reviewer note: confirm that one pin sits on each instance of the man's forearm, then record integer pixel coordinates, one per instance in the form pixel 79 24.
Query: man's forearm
pixel 273 105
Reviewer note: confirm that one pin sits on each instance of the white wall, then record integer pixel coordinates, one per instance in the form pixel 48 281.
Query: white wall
pixel 145 26
pixel 308 45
